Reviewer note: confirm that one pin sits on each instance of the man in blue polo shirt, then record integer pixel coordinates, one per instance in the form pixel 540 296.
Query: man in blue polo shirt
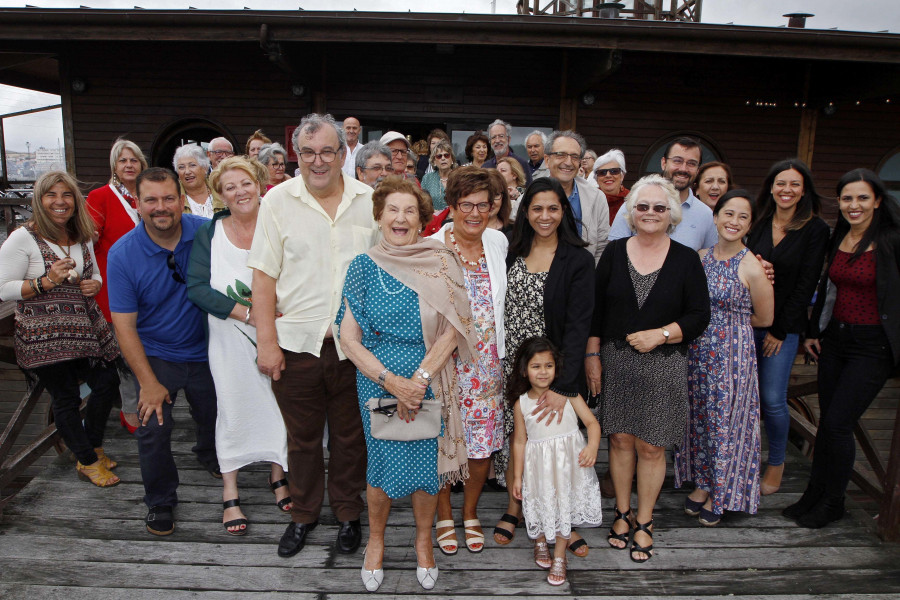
pixel 162 337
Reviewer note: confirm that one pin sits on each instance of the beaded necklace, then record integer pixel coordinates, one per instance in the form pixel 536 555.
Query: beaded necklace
pixel 473 264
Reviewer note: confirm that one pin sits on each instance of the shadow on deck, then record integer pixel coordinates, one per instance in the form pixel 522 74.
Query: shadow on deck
pixel 63 538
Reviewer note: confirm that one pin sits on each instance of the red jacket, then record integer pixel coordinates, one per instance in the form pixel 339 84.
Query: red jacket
pixel 112 222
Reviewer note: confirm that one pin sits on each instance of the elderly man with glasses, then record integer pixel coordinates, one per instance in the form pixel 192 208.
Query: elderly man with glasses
pixel 373 163
pixel 162 338
pixel 218 150
pixel 307 232
pixel 500 133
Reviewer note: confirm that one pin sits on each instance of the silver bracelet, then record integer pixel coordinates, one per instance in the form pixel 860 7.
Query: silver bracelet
pixel 381 377
pixel 424 374
pixel 247 318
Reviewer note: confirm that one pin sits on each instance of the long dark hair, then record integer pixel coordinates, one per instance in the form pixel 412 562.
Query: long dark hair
pixel 807 207
pixel 523 233
pixel 518 381
pixel 885 218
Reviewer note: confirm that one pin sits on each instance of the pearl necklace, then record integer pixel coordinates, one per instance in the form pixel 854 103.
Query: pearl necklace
pixel 473 264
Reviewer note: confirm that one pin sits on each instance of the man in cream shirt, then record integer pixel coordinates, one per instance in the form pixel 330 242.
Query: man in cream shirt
pixel 308 231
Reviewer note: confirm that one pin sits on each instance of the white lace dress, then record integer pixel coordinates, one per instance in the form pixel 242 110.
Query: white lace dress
pixel 557 494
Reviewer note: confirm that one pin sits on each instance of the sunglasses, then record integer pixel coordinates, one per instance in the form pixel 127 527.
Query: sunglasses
pixel 657 208
pixel 605 172
pixel 176 270
pixel 440 156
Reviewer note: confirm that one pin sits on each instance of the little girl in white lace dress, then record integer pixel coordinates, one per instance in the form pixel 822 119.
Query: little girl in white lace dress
pixel 553 468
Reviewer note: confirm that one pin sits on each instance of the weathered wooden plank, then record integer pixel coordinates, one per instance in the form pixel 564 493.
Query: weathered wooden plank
pixel 50 592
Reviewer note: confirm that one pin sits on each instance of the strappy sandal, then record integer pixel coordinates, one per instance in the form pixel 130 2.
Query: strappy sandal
pixel 542 555
pixel 622 537
pixel 443 542
pixel 243 524
pixel 285 503
pixel 635 547
pixel 97 474
pixel 505 536
pixel 104 459
pixel 576 546
pixel 475 543
pixel 558 569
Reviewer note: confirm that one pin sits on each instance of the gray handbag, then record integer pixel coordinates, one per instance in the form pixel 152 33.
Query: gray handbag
pixel 386 423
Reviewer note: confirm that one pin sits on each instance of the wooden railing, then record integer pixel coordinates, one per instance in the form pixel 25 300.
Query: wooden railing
pixel 884 487
pixel 679 10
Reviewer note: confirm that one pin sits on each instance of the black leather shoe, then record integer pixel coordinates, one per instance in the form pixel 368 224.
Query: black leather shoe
pixel 294 538
pixel 349 537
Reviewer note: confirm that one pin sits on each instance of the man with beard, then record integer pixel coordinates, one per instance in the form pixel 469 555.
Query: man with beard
pixel 373 163
pixel 500 133
pixel 161 334
pixel 351 137
pixel 680 163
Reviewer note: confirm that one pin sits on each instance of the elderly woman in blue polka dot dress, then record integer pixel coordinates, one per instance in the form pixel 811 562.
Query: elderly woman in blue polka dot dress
pixel 404 312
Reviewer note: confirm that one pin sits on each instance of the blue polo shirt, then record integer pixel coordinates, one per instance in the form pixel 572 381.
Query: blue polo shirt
pixel 696 230
pixel 140 281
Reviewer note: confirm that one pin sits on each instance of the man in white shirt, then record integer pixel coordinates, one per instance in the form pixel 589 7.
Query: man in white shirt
pixel 352 129
pixel 218 150
pixel 307 232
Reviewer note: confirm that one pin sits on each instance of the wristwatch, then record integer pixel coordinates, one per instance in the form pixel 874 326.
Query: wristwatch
pixel 665 334
pixel 424 374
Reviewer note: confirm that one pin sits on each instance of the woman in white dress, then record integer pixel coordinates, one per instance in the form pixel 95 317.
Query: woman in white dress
pixel 249 426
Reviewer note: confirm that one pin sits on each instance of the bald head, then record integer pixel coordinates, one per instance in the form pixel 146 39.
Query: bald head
pixel 351 131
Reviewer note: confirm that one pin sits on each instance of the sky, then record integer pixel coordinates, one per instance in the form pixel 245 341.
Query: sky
pixel 45 129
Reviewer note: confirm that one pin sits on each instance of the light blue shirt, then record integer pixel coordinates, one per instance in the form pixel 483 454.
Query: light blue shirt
pixel 575 201
pixel 696 229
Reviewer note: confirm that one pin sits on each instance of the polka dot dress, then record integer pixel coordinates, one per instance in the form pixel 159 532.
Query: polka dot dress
pixel 388 314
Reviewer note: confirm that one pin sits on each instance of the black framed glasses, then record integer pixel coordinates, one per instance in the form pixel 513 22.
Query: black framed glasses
pixel 177 275
pixel 482 207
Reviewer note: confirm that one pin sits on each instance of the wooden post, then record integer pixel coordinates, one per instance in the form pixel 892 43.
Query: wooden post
pixel 807 138
pixel 568 106
pixel 889 515
pixel 65 96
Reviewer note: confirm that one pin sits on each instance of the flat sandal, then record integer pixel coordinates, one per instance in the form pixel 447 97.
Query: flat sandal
pixel 542 555
pixel 558 569
pixel 622 537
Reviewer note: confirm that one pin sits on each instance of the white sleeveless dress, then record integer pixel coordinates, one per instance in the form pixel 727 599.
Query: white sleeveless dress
pixel 249 426
pixel 557 494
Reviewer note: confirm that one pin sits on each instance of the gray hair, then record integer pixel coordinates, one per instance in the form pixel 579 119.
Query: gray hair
pixel 410 155
pixel 190 150
pixel 615 155
pixel 500 122
pixel 311 123
pixel 672 197
pixel 568 133
pixel 590 153
pixel 220 139
pixel 369 150
pixel 538 133
pixel 268 151
pixel 116 151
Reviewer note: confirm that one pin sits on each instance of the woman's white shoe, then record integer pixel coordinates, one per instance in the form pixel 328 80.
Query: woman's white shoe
pixel 371 579
pixel 427 576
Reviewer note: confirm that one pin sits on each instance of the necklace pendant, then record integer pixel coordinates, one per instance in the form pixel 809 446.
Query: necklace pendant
pixel 73 276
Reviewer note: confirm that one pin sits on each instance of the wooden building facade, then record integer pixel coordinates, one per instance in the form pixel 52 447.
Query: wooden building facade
pixel 752 95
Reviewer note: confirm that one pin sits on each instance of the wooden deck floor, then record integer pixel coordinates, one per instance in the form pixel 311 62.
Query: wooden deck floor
pixel 63 538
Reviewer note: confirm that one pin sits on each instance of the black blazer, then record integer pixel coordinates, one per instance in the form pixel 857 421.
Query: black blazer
pixel 568 306
pixel 680 295
pixel 887 283
pixel 797 260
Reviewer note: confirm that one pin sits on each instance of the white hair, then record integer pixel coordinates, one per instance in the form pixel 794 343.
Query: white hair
pixel 220 139
pixel 672 197
pixel 614 155
pixel 190 150
pixel 268 151
pixel 500 122
pixel 540 134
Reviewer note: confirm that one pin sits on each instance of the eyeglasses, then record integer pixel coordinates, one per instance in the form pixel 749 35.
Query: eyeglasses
pixel 279 166
pixel 379 168
pixel 175 268
pixel 564 155
pixel 605 172
pixel 308 156
pixel 657 208
pixel 678 161
pixel 499 136
pixel 441 155
pixel 398 151
pixel 222 152
pixel 466 207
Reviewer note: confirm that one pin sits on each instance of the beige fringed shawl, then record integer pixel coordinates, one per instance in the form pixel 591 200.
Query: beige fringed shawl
pixel 435 274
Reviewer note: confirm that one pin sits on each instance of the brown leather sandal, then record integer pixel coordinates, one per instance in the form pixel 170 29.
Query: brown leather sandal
pixel 96 474
pixel 104 459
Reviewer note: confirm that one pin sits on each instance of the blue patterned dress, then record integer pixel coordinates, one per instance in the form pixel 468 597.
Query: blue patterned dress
pixel 721 449
pixel 388 314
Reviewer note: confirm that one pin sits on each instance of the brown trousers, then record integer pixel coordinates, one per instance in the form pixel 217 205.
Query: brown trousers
pixel 311 389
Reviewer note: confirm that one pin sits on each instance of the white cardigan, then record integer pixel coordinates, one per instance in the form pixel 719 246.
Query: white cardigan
pixel 495 245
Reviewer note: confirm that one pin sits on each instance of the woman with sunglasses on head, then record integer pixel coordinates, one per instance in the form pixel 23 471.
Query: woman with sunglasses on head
pixel 549 293
pixel 789 234
pixel 854 333
pixel 435 182
pixel 609 173
pixel 651 301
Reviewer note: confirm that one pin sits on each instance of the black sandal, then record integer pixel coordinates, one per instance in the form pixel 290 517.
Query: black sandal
pixel 234 522
pixel 635 547
pixel 284 501
pixel 508 535
pixel 622 537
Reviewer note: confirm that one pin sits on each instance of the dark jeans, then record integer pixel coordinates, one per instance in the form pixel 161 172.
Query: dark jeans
pixel 155 441
pixel 61 380
pixel 855 362
pixel 311 389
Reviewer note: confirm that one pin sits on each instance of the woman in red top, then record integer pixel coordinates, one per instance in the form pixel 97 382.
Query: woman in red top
pixel 113 208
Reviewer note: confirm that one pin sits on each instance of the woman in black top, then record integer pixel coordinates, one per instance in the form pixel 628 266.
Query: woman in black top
pixel 855 334
pixel 651 299
pixel 550 292
pixel 789 235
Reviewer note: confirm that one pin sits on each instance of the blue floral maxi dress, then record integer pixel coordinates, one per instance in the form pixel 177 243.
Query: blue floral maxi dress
pixel 721 450
pixel 388 314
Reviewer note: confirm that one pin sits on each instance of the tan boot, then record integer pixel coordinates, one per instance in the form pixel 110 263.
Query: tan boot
pixel 97 474
pixel 105 460
pixel 771 480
